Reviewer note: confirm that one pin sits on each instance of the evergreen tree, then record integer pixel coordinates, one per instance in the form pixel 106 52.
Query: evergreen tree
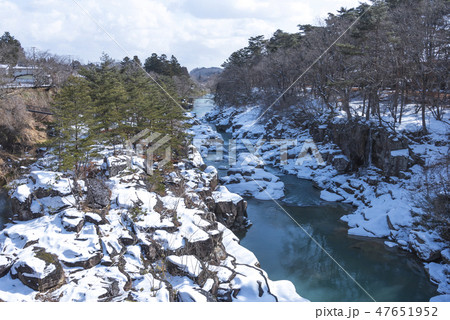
pixel 109 103
pixel 10 50
pixel 72 109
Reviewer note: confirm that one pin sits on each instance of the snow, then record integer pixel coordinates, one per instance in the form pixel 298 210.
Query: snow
pixel 426 244
pixel 390 244
pixel 188 264
pixel 249 159
pixel 22 193
pixel 222 194
pixel 439 275
pixel 441 298
pixel 50 204
pixel 196 157
pixel 285 291
pixel 328 196
pixel 400 153
pixel 40 269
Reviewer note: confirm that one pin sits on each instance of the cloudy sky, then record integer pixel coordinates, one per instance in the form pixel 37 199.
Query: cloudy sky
pixel 197 32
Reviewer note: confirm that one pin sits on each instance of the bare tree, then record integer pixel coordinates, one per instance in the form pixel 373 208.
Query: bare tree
pixel 50 69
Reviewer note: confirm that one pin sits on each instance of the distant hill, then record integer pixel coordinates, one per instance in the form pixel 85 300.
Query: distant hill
pixel 205 75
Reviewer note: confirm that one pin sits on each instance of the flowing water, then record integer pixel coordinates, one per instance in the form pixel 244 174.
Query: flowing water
pixel 319 256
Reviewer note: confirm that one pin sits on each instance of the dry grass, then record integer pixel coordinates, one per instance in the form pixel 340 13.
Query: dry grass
pixel 18 128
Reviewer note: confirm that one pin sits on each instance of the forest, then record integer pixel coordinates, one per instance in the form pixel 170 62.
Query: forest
pixel 109 103
pixel 391 51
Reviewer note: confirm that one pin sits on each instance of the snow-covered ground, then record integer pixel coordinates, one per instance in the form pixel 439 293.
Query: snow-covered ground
pixel 385 207
pixel 135 245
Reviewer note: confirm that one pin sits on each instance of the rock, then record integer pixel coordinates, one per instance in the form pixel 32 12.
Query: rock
pixel 72 220
pixel 186 265
pixel 86 263
pixel 364 144
pixel 427 245
pixel 195 295
pixel 6 263
pixel 98 193
pixel 128 239
pixel 201 249
pixel 95 218
pixel 112 290
pixel 446 255
pixel 340 163
pixel 115 165
pixel 22 209
pixel 230 209
pixel 151 251
pixel 38 269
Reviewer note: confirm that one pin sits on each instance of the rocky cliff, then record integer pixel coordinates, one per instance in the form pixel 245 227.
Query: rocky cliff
pixel 112 238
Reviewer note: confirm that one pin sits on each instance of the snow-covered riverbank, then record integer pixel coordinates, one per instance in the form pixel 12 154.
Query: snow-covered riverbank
pixel 386 207
pixel 111 237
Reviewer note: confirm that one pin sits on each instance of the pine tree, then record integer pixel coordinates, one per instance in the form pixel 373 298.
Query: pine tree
pixel 109 97
pixel 72 108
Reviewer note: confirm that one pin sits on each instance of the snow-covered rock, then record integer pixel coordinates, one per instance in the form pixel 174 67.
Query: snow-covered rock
pixel 38 269
pixel 328 196
pixel 427 245
pixel 139 245
pixel 230 208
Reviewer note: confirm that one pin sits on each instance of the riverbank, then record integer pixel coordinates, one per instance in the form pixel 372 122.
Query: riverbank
pixel 112 237
pixel 385 207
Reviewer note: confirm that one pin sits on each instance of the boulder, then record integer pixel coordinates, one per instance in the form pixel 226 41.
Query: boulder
pixel 230 209
pixel 186 265
pixel 72 220
pixel 151 251
pixel 195 295
pixel 446 255
pixel 95 218
pixel 340 163
pixel 38 269
pixel 427 245
pixel 6 263
pixel 98 193
pixel 86 263
pixel 364 145
pixel 22 209
pixel 115 165
pixel 202 249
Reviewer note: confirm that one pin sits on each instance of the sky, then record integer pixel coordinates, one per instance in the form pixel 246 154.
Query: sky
pixel 200 33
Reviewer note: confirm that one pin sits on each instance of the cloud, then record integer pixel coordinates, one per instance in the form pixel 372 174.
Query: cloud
pixel 197 32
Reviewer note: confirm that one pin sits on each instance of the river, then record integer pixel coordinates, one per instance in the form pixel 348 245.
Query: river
pixel 285 250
